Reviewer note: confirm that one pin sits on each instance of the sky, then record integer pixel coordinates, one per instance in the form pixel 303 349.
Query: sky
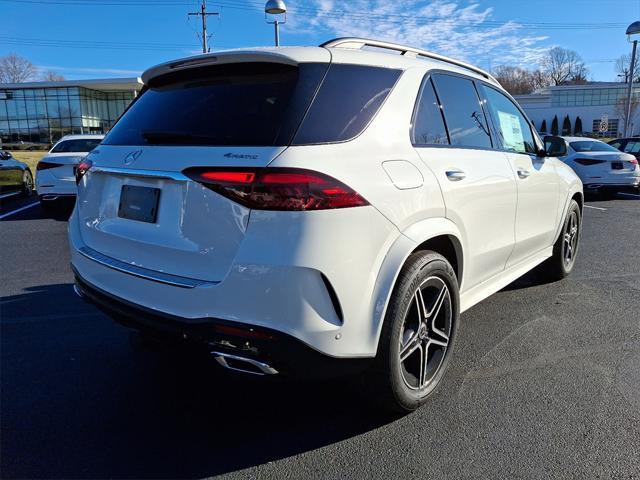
pixel 84 39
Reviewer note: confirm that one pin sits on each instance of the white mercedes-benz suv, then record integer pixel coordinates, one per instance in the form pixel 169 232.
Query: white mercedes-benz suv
pixel 319 210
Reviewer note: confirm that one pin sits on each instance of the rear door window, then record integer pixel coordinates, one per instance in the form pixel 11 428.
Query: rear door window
pixel 428 124
pixel 348 100
pixel 463 113
pixel 513 128
pixel 632 147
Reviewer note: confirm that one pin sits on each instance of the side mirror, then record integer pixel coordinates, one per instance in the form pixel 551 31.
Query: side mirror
pixel 555 146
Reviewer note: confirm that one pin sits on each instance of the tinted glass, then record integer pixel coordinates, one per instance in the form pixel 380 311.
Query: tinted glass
pixel 512 126
pixel 236 104
pixel 592 146
pixel 632 147
pixel 428 126
pixel 348 100
pixel 463 113
pixel 80 145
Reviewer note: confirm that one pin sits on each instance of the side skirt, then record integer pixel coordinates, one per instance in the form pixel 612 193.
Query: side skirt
pixel 487 288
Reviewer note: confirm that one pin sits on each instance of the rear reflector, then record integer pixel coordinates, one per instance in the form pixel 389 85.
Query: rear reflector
pixel 46 166
pixel 293 189
pixel 588 161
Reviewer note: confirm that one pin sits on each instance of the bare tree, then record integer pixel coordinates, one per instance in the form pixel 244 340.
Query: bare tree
pixel 622 67
pixel 52 76
pixel 621 109
pixel 15 69
pixel 564 66
pixel 519 81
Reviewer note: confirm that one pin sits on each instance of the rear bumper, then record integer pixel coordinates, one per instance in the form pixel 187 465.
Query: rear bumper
pixel 225 340
pixel 319 286
pixel 48 184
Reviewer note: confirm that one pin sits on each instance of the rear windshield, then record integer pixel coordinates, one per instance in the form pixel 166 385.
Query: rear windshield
pixel 255 104
pixel 79 145
pixel 587 146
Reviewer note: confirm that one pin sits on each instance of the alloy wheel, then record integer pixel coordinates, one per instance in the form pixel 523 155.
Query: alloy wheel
pixel 28 183
pixel 425 333
pixel 570 241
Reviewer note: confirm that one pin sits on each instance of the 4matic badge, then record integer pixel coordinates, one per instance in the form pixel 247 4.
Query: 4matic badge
pixel 242 156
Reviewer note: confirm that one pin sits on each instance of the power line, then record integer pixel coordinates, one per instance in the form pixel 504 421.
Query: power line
pixel 204 14
pixel 308 11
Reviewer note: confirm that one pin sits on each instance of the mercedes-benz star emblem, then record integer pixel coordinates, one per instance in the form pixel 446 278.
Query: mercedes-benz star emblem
pixel 132 157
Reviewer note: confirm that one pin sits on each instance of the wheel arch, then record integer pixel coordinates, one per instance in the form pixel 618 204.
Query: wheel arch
pixel 437 234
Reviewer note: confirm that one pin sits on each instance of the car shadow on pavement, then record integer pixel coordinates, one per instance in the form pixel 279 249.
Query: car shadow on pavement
pixel 78 401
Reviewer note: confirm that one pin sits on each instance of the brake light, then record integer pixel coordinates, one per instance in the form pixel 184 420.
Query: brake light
pixel 46 166
pixel 278 188
pixel 633 161
pixel 588 161
pixel 82 168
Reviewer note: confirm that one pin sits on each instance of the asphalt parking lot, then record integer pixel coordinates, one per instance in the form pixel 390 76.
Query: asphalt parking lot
pixel 545 382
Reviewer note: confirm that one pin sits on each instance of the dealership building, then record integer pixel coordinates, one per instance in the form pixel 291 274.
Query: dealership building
pixel 43 112
pixel 593 103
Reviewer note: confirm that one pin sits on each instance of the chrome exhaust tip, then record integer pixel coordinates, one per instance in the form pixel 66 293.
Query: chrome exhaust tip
pixel 78 291
pixel 242 364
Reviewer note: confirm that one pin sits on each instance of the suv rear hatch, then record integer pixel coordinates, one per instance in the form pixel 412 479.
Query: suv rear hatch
pixel 135 204
pixel 138 208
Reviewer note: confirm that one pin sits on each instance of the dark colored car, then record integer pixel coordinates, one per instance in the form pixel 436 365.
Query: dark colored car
pixel 627 145
pixel 15 176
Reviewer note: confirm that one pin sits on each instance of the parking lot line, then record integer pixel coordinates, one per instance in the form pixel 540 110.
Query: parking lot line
pixel 7 195
pixel 596 208
pixel 17 210
pixel 629 194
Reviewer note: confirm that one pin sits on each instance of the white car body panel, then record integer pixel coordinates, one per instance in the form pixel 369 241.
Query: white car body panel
pixel 603 174
pixel 60 181
pixel 266 268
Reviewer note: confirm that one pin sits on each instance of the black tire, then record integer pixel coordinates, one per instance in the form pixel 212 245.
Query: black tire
pixel 563 259
pixel 27 183
pixel 395 382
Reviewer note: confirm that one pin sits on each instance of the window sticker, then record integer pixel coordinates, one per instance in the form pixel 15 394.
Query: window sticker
pixel 511 131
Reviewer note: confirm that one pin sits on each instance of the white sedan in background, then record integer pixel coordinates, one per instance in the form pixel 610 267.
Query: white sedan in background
pixel 599 166
pixel 55 177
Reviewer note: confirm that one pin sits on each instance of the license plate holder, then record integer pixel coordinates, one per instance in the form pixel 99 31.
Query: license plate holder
pixel 616 166
pixel 139 203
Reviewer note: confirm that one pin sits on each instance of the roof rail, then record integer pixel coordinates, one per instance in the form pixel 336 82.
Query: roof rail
pixel 359 43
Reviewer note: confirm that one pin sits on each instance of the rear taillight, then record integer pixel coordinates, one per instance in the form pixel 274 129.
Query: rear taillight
pixel 46 166
pixel 633 161
pixel 277 188
pixel 588 161
pixel 82 168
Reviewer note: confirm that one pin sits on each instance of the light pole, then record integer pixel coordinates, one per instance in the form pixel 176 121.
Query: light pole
pixel 633 29
pixel 275 8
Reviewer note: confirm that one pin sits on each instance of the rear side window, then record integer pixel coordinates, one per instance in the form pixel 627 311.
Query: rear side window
pixel 512 126
pixel 463 112
pixel 348 100
pixel 428 125
pixel 632 147
pixel 241 104
pixel 80 145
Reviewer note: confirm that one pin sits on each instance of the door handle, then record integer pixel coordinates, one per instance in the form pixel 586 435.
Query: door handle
pixel 455 175
pixel 524 173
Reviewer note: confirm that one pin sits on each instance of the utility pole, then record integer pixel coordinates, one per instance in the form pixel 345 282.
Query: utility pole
pixel 204 14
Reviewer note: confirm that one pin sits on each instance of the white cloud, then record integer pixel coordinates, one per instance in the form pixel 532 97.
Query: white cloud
pixel 464 31
pixel 91 71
